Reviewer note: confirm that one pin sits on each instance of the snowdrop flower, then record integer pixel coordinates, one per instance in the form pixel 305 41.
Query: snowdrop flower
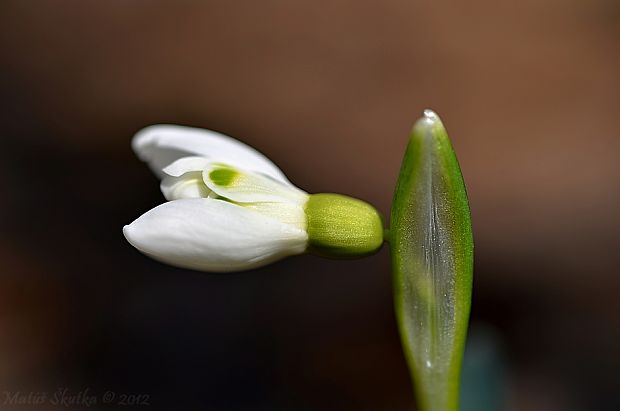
pixel 230 208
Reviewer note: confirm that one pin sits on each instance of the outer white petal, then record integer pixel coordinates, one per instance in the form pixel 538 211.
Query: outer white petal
pixel 287 213
pixel 160 145
pixel 213 235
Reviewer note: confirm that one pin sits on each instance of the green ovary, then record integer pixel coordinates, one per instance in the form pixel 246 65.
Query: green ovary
pixel 342 227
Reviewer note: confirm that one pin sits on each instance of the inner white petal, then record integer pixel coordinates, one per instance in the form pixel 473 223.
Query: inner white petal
pixel 245 186
pixel 185 165
pixel 189 185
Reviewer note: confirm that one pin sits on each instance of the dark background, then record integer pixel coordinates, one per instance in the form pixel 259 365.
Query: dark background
pixel 529 91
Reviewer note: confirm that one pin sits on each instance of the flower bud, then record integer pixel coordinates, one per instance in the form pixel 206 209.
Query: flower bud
pixel 340 226
pixel 432 256
pixel 230 208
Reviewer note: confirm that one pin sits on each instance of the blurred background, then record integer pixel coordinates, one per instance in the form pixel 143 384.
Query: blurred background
pixel 529 91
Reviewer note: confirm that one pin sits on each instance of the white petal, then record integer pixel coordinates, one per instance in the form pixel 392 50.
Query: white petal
pixel 160 145
pixel 288 213
pixel 189 185
pixel 213 235
pixel 246 186
pixel 185 165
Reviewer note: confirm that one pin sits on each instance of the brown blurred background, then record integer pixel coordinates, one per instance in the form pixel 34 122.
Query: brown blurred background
pixel 529 91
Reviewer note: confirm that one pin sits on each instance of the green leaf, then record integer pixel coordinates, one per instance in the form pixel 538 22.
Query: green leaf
pixel 432 261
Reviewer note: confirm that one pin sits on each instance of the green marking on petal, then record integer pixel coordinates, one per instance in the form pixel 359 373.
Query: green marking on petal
pixel 223 175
